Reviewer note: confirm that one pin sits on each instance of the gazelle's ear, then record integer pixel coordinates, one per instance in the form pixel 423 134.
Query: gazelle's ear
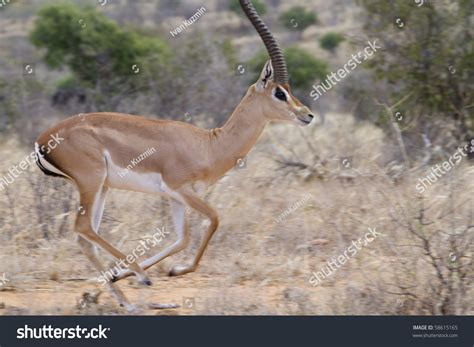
pixel 265 76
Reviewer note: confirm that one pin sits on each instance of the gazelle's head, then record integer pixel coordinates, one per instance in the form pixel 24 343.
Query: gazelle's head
pixel 273 85
pixel 277 102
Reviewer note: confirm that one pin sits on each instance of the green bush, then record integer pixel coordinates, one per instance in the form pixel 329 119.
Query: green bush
pixel 431 60
pixel 92 46
pixel 331 41
pixel 68 82
pixel 302 67
pixel 298 18
pixel 234 5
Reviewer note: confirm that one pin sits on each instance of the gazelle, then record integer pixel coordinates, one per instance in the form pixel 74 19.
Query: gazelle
pixel 96 148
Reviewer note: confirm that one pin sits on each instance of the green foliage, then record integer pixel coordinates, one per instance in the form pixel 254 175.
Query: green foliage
pixel 430 58
pixel 302 67
pixel 229 52
pixel 234 5
pixel 331 41
pixel 92 46
pixel 68 82
pixel 298 18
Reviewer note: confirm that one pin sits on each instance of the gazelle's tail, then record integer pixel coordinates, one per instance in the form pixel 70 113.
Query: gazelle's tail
pixel 46 166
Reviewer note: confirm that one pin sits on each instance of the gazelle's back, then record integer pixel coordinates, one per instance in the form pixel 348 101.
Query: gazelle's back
pixel 151 146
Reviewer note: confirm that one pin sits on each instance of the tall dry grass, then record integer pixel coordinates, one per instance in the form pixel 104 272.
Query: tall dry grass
pixel 420 264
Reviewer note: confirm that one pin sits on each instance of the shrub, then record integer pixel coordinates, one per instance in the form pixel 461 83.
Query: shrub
pixel 331 41
pixel 92 46
pixel 300 16
pixel 431 60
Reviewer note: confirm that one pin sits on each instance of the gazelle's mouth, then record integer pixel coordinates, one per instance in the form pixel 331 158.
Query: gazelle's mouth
pixel 304 121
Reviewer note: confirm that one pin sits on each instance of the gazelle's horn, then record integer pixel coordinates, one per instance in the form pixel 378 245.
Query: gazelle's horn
pixel 273 48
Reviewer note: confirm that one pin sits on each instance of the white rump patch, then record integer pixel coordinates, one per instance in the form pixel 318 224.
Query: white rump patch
pixel 46 164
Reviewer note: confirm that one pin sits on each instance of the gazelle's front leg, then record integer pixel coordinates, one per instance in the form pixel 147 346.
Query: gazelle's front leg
pixel 178 211
pixel 203 208
pixel 179 218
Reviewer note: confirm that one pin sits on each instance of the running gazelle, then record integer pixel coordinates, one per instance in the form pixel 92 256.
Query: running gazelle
pixel 97 147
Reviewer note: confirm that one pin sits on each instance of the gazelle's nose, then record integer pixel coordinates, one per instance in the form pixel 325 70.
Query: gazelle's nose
pixel 311 116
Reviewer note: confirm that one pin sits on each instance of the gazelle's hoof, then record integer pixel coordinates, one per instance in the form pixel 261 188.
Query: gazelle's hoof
pixel 180 270
pixel 145 281
pixel 129 307
pixel 162 306
pixel 120 275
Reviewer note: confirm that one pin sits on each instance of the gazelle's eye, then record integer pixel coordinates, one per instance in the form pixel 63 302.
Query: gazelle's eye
pixel 279 94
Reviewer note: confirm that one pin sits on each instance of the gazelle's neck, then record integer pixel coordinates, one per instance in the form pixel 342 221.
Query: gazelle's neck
pixel 240 133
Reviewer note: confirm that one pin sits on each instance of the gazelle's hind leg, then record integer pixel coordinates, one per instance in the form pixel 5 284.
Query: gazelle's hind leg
pixel 88 250
pixel 87 218
pixel 178 211
pixel 87 246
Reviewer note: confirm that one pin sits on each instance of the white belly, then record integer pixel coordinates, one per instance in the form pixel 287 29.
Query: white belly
pixel 134 180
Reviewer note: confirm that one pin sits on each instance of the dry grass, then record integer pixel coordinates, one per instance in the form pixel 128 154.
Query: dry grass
pixel 255 265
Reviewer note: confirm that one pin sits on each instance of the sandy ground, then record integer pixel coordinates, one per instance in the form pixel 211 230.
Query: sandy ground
pixel 196 293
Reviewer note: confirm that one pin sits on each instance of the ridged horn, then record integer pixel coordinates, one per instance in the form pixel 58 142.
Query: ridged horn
pixel 273 48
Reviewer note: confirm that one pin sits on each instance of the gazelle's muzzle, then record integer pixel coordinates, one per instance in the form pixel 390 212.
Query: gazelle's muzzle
pixel 306 119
